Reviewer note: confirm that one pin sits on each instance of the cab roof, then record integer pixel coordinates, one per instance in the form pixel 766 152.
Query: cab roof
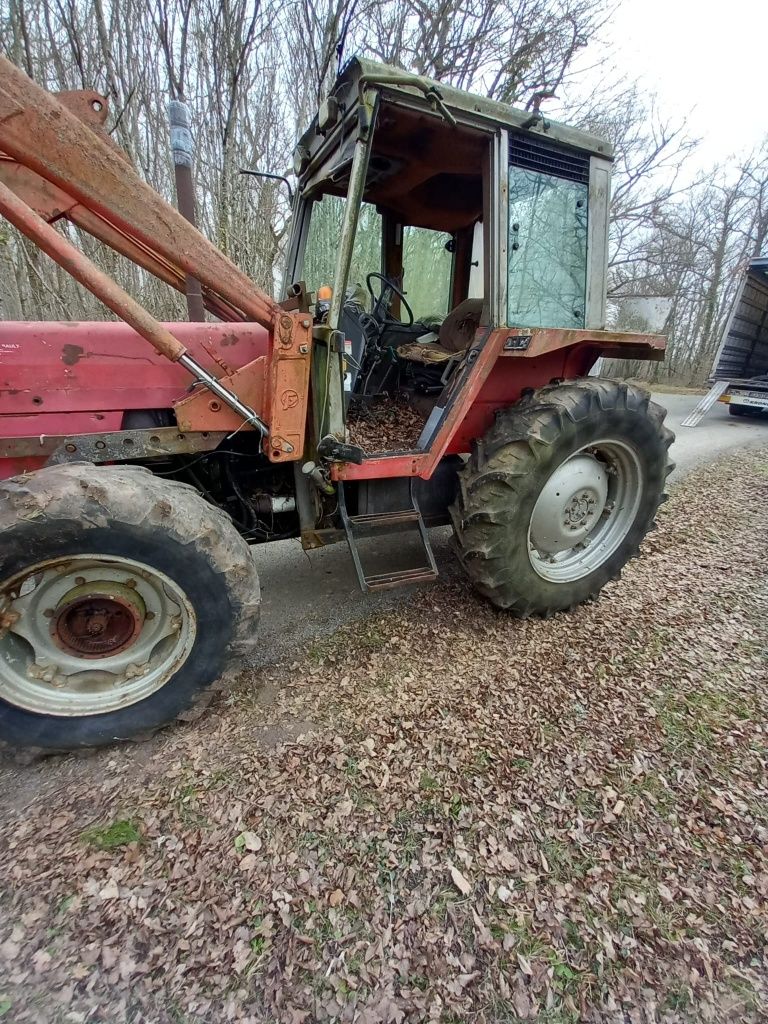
pixel 465 106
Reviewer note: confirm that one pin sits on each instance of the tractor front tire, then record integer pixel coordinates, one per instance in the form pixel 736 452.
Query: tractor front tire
pixel 124 597
pixel 559 494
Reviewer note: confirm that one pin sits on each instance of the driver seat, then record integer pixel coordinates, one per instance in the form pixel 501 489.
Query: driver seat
pixel 455 335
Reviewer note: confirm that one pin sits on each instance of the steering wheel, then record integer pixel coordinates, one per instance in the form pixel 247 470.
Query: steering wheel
pixel 380 307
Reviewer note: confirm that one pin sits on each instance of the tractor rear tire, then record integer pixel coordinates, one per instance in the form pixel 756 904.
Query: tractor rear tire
pixel 124 597
pixel 559 494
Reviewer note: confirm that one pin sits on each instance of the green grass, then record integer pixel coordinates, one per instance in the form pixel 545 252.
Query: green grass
pixel 678 998
pixel 367 636
pixel 480 762
pixel 692 720
pixel 111 837
pixel 743 989
pixel 186 800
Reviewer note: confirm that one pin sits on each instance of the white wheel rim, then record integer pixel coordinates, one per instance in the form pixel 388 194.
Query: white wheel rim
pixel 585 511
pixel 90 634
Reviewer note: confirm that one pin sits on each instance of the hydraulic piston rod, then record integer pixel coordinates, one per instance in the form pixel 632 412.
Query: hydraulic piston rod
pixel 223 393
pixel 115 298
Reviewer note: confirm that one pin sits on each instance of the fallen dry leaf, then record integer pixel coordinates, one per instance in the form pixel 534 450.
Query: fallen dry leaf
pixel 461 883
pixel 110 891
pixel 504 894
pixel 251 841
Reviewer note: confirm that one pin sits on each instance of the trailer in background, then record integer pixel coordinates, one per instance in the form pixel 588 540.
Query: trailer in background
pixel 740 371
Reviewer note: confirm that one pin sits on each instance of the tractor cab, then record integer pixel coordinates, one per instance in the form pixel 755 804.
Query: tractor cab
pixel 426 218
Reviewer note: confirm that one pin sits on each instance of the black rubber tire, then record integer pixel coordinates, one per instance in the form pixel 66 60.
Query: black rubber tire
pixel 125 510
pixel 508 468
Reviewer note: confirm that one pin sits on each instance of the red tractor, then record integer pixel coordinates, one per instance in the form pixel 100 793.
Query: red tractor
pixel 444 306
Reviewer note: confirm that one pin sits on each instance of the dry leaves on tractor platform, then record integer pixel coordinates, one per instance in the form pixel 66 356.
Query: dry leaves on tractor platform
pixel 384 424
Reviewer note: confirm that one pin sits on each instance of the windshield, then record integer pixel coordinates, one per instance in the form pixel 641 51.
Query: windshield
pixel 323 244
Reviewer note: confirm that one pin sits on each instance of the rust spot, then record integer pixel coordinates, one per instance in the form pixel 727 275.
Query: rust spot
pixel 71 354
pixel 229 339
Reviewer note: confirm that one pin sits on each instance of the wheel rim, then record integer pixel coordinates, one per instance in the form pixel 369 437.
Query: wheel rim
pixel 585 510
pixel 90 634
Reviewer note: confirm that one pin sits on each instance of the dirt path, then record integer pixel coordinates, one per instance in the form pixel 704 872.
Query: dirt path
pixel 440 814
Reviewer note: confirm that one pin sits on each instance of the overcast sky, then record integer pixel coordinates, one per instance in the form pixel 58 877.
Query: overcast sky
pixel 706 61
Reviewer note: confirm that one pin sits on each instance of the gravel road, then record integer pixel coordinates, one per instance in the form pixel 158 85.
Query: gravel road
pixel 307 594
pixel 717 433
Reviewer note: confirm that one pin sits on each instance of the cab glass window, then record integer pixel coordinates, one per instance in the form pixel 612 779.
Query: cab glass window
pixel 547 275
pixel 427 267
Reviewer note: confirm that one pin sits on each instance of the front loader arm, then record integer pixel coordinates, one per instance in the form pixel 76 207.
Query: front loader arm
pixel 56 161
pixel 95 186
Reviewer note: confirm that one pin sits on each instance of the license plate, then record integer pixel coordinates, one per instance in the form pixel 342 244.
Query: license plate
pixel 754 398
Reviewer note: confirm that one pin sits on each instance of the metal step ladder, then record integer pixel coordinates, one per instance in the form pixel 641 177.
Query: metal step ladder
pixel 380 524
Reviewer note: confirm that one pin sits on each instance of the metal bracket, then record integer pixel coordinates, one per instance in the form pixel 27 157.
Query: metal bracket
pixel 111 446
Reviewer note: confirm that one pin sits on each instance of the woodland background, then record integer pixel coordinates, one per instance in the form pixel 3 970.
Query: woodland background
pixel 253 74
